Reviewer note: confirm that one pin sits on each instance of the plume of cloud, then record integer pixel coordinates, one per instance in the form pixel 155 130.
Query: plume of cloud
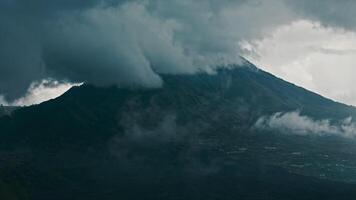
pixel 295 123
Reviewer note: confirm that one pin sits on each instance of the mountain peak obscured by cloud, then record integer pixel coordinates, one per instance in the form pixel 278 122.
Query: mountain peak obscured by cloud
pixel 128 43
pixel 119 42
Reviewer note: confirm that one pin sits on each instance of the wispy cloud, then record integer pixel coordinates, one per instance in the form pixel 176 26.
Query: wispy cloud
pixel 295 123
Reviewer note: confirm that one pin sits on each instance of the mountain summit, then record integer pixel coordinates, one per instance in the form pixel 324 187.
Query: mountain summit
pixel 193 138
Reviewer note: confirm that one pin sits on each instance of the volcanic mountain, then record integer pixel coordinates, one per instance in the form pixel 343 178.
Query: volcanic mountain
pixel 193 138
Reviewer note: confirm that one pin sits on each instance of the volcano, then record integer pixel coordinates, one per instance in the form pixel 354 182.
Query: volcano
pixel 193 138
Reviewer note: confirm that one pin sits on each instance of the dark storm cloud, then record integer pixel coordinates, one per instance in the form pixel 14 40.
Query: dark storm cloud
pixel 21 33
pixel 124 42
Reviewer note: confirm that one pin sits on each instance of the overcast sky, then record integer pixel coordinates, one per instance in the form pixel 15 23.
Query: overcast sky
pixel 48 46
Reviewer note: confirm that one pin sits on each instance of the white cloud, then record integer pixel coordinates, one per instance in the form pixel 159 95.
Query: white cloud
pixel 39 92
pixel 295 123
pixel 310 55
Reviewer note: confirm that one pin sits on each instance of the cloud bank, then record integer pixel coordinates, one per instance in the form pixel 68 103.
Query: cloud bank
pixel 295 123
pixel 126 43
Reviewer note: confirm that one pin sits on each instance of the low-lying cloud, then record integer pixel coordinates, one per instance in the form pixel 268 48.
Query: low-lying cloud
pixel 39 92
pixel 295 123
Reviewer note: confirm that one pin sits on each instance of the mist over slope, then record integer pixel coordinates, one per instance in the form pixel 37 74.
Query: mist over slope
pixel 193 138
pixel 6 110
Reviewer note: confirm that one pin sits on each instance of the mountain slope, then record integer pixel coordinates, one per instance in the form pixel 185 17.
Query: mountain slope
pixel 6 110
pixel 190 139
